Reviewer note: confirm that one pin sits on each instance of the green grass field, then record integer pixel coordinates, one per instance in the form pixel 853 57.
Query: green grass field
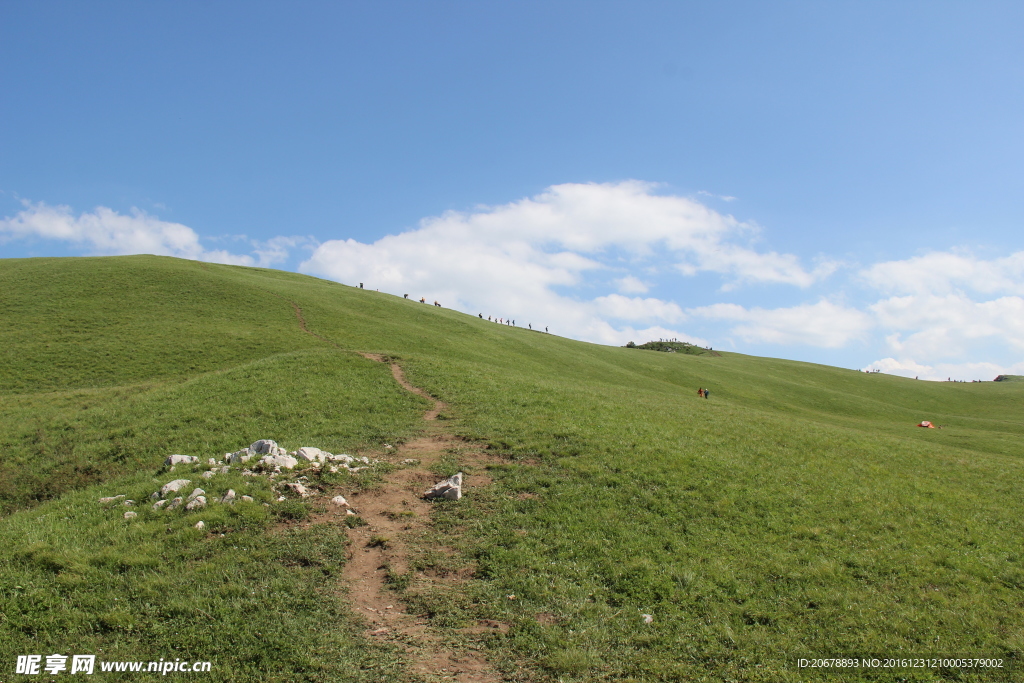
pixel 799 512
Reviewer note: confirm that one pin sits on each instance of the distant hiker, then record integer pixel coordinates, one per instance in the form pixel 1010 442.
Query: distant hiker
pixel 423 299
pixel 513 323
pixel 545 328
pixel 488 318
pixel 406 296
pixel 530 325
pixel 706 393
pixel 437 304
pixel 700 392
pixel 480 315
pixel 360 285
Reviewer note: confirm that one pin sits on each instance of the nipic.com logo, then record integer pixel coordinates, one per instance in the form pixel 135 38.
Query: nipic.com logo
pixel 34 665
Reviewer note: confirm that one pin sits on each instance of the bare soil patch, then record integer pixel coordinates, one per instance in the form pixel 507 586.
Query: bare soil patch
pixel 397 519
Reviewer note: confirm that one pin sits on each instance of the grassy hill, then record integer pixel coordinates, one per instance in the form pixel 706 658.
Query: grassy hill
pixel 797 512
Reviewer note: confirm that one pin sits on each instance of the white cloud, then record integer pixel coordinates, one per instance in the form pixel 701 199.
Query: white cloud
pixel 634 308
pixel 104 231
pixel 948 272
pixel 948 326
pixel 631 285
pixel 822 324
pixel 516 260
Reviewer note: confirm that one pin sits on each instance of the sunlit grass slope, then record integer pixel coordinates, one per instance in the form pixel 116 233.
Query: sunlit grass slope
pixel 797 512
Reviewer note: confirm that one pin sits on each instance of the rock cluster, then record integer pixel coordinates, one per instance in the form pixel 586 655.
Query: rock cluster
pixel 261 457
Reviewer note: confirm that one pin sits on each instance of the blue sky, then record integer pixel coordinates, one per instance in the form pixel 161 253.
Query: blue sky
pixel 833 182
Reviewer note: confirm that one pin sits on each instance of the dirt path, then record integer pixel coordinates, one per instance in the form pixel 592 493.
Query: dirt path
pixel 397 520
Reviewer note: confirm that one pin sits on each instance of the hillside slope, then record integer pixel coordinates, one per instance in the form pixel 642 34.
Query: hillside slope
pixel 796 512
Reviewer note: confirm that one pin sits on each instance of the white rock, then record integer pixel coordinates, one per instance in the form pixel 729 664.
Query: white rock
pixel 131 515
pixel 195 494
pixel 176 503
pixel 354 470
pixel 111 499
pixel 341 457
pixel 247 499
pixel 285 461
pixel 350 512
pixel 298 488
pixel 128 502
pixel 159 504
pixel 228 497
pixel 410 461
pixel 155 495
pixel 196 503
pixel 180 459
pixel 211 461
pixel 450 488
pixel 172 486
pixel 224 470
pixel 280 498
pixel 340 500
pixel 200 524
pixel 208 474
pixel 648 619
pixel 263 446
pixel 332 469
pixel 308 453
pixel 248 473
pixel 238 456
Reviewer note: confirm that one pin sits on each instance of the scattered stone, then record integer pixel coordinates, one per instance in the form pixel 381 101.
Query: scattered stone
pixel 176 503
pixel 159 504
pixel 239 456
pixel 648 619
pixel 340 500
pixel 247 499
pixel 155 495
pixel 309 454
pixel 128 502
pixel 208 474
pixel 355 470
pixel 131 515
pixel 332 469
pixel 228 497
pixel 172 486
pixel 111 499
pixel 224 470
pixel 341 457
pixel 298 488
pixel 282 460
pixel 267 446
pixel 195 494
pixel 450 488
pixel 180 460
pixel 388 446
pixel 248 473
pixel 200 524
pixel 211 461
pixel 410 461
pixel 281 498
pixel 350 512
pixel 196 503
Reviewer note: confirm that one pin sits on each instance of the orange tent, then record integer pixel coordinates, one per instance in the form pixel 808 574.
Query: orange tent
pixel 927 424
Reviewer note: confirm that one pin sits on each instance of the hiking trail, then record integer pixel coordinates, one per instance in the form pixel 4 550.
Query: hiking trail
pixel 397 522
